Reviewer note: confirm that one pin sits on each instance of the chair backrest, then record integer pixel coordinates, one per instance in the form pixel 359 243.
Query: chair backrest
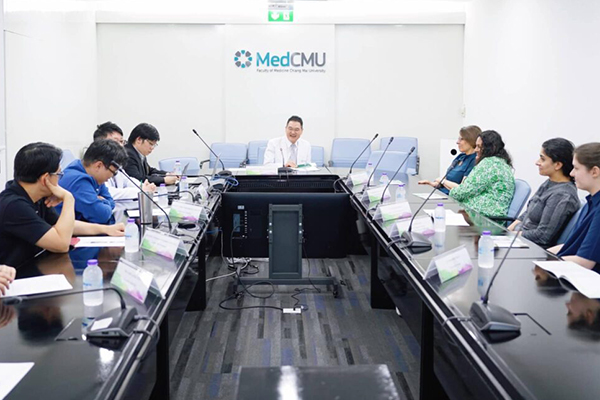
pixel 261 155
pixel 522 192
pixel 168 164
pixel 317 155
pixel 232 154
pixel 67 158
pixel 569 227
pixel 389 163
pixel 404 143
pixel 344 152
pixel 253 148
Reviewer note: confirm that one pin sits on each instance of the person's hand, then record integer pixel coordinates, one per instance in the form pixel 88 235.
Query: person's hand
pixel 148 187
pixel 291 164
pixel 101 198
pixel 115 230
pixel 426 182
pixel 7 275
pixel 7 313
pixel 58 194
pixel 170 179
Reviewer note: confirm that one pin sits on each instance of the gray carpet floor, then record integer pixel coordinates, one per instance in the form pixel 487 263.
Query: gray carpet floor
pixel 210 347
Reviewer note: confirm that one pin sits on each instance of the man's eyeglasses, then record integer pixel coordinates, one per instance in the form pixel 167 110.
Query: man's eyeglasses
pixel 114 171
pixel 60 174
pixel 152 144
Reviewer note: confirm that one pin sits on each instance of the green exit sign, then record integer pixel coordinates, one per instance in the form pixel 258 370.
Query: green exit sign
pixel 281 16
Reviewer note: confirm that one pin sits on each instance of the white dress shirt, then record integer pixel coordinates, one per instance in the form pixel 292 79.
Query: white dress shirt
pixel 281 144
pixel 121 188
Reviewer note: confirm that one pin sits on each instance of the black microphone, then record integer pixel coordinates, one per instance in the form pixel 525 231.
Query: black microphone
pixel 283 169
pixel 414 240
pixel 396 173
pixel 120 168
pixel 490 317
pixel 224 172
pixel 379 162
pixel 361 153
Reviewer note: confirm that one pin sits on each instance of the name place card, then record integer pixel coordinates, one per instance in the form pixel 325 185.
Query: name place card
pixel 450 264
pixel 388 212
pixel 161 243
pixel 133 280
pixel 422 225
pixel 186 211
pixel 358 179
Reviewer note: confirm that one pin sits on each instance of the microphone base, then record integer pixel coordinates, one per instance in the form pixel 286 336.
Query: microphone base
pixel 224 173
pixel 121 325
pixel 285 170
pixel 416 242
pixel 492 318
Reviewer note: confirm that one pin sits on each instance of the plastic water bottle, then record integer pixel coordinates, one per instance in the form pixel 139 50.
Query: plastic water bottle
pixel 369 168
pixel 384 179
pixel 132 237
pixel 177 168
pixel 163 197
pixel 92 279
pixel 401 192
pixel 486 250
pixel 439 218
pixel 183 183
pixel 484 276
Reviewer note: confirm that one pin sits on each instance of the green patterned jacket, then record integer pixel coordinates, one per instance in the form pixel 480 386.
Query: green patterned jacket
pixel 488 189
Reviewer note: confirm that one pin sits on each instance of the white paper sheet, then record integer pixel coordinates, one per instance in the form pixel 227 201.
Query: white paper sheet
pixel 505 241
pixel 11 374
pixel 586 281
pixel 38 284
pixel 100 241
pixel 435 196
pixel 452 218
pixel 155 212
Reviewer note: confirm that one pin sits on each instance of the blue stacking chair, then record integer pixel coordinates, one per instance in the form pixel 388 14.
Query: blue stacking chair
pixel 66 159
pixel 404 143
pixel 233 155
pixel 344 152
pixel 317 155
pixel 570 226
pixel 389 163
pixel 261 155
pixel 253 147
pixel 522 192
pixel 168 164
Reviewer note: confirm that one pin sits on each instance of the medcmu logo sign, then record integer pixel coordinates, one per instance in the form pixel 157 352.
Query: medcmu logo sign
pixel 243 59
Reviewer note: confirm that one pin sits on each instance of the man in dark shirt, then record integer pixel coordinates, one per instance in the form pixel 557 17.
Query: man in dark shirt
pixel 142 141
pixel 28 223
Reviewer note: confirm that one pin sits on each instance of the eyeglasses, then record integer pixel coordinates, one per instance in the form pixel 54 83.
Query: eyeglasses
pixel 60 174
pixel 114 172
pixel 152 144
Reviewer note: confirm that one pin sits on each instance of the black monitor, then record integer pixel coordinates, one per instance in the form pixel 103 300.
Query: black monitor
pixel 327 222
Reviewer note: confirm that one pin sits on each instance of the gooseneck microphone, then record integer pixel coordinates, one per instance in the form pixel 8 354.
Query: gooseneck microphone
pixel 361 153
pixel 379 161
pixel 19 299
pixel 490 317
pixel 120 168
pixel 283 169
pixel 414 240
pixel 223 172
pixel 396 173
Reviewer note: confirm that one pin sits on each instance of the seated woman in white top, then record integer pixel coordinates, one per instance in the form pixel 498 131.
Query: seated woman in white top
pixel 289 150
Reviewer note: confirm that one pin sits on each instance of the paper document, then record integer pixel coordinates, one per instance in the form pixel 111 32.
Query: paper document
pixel 38 284
pixel 452 218
pixel 155 212
pixel 586 281
pixel 11 374
pixel 435 196
pixel 505 241
pixel 100 241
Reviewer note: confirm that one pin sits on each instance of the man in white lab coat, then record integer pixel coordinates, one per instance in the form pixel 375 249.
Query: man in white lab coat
pixel 289 150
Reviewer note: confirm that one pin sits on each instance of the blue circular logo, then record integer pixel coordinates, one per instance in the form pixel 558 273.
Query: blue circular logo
pixel 242 59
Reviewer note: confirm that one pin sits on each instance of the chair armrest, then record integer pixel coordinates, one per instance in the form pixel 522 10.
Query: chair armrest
pixel 202 163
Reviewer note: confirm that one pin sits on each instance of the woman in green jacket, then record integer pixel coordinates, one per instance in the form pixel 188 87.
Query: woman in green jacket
pixel 490 186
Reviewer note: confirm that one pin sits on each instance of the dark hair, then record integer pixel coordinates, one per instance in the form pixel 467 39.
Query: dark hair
pixel 295 118
pixel 36 159
pixel 560 150
pixel 493 146
pixel 105 150
pixel 144 131
pixel 470 134
pixel 104 129
pixel 588 154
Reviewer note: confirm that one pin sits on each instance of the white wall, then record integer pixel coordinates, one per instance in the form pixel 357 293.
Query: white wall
pixel 3 174
pixel 532 73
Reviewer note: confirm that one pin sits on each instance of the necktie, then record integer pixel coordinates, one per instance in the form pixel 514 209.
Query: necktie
pixel 294 153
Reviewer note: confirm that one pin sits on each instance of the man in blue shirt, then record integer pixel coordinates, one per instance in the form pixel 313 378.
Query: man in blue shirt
pixel 85 180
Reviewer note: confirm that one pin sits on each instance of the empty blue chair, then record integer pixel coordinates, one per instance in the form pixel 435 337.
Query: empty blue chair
pixel 253 147
pixel 522 192
pixel 233 155
pixel 570 226
pixel 389 163
pixel 345 151
pixel 66 159
pixel 168 164
pixel 317 155
pixel 404 143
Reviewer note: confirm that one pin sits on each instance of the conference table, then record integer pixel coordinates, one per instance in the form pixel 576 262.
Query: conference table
pixel 553 357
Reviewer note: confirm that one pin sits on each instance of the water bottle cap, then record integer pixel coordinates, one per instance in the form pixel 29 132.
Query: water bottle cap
pixel 92 262
pixel 486 233
pixel 176 160
pixel 162 185
pixel 184 178
pixel 131 220
pixel 384 173
pixel 440 204
pixel 401 185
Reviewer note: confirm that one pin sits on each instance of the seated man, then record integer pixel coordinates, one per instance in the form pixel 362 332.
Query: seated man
pixel 289 150
pixel 85 180
pixel 28 221
pixel 119 186
pixel 142 140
